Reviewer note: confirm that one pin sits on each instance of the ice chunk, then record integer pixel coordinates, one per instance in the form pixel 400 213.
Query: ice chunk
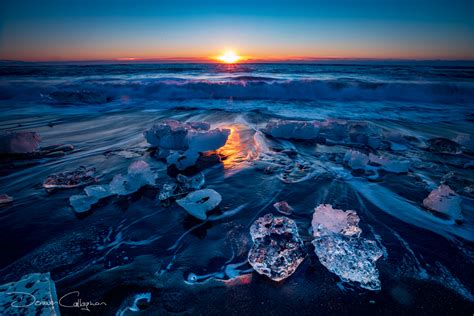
pixel 394 166
pixel 183 160
pixel 341 251
pixel 70 179
pixel 167 191
pixel 292 129
pixel 19 142
pixel 443 145
pixel 465 140
pixel 139 174
pixel 5 199
pixel 352 259
pixel 168 134
pixel 201 141
pixel 82 203
pixel 198 203
pixel 283 207
pixel 327 220
pixel 277 249
pixel 191 183
pixel 98 191
pixel 335 130
pixel 356 160
pixel 445 201
pixel 24 296
pixel 186 139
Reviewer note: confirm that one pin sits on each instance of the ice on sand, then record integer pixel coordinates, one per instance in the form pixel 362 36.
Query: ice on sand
pixel 444 200
pixel 326 220
pixel 70 179
pixel 198 203
pixel 31 288
pixel 195 182
pixel 352 259
pixel 283 207
pixel 340 249
pixel 277 249
pixel 139 174
pixel 356 160
pixel 187 140
pixel 390 165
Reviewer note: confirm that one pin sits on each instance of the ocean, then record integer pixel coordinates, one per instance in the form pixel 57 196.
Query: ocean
pixel 137 247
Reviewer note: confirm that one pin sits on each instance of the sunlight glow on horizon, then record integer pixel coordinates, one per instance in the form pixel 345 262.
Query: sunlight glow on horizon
pixel 229 57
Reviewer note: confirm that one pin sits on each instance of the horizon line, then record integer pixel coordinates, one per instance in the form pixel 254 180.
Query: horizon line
pixel 197 60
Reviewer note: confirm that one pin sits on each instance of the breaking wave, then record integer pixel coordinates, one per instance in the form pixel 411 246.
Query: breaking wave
pixel 242 88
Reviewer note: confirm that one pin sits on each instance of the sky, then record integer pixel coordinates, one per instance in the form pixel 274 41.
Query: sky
pixel 177 30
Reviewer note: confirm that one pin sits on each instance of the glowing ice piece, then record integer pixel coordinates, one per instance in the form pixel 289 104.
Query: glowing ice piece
pixel 277 249
pixel 352 259
pixel 341 251
pixel 445 201
pixel 198 203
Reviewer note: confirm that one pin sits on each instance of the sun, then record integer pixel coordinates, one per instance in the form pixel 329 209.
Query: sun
pixel 229 57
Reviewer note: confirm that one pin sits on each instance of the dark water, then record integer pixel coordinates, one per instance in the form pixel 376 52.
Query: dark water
pixel 133 244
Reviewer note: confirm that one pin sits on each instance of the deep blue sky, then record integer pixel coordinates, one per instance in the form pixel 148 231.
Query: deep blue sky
pixel 85 30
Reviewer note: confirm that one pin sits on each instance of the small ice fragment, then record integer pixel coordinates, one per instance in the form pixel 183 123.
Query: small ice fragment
pixel 466 140
pixel 82 203
pixel 19 142
pixel 394 166
pixel 70 179
pixel 292 129
pixel 139 174
pixel 277 249
pixel 356 160
pixel 5 199
pixel 443 145
pixel 191 183
pixel 167 191
pixel 16 298
pixel 198 203
pixel 98 191
pixel 445 201
pixel 352 259
pixel 162 153
pixel 283 207
pixel 326 220
pixel 117 185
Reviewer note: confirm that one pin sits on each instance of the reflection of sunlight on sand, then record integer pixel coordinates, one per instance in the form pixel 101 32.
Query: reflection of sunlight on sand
pixel 239 148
